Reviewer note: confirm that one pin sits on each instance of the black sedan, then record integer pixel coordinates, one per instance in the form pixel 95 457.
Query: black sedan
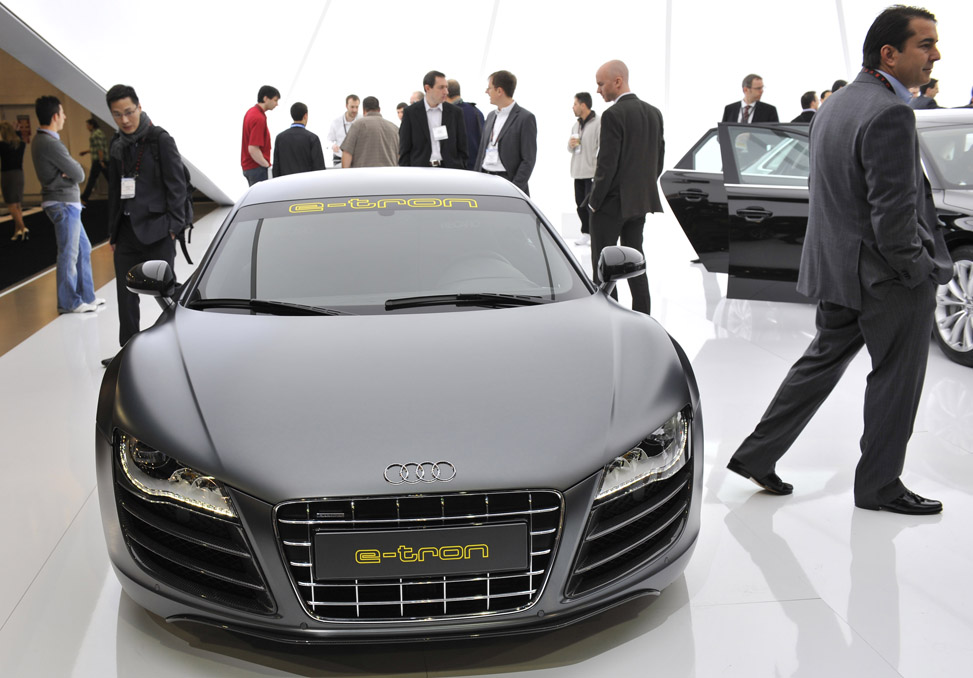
pixel 740 194
pixel 362 419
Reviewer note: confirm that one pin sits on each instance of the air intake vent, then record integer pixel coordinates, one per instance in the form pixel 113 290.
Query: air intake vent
pixel 630 530
pixel 203 555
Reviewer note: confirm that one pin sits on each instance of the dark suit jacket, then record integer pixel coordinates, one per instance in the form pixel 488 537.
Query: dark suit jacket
pixel 805 116
pixel 762 112
pixel 871 219
pixel 415 145
pixel 297 150
pixel 473 119
pixel 922 102
pixel 516 144
pixel 159 205
pixel 630 156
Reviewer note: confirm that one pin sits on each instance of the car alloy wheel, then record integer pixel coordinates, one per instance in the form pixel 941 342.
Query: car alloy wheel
pixel 954 309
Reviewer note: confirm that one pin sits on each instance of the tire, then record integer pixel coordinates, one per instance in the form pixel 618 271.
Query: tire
pixel 953 324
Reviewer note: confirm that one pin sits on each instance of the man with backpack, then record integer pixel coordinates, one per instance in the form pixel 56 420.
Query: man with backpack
pixel 149 201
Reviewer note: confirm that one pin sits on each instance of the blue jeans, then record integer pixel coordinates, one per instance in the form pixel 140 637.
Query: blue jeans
pixel 255 175
pixel 74 284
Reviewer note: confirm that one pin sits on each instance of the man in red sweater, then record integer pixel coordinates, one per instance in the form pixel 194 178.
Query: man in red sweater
pixel 255 153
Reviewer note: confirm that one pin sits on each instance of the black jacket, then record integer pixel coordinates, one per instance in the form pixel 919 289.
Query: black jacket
pixel 415 145
pixel 297 150
pixel 630 156
pixel 762 112
pixel 159 205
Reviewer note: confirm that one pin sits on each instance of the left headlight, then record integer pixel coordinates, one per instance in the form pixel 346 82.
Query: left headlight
pixel 659 456
pixel 158 475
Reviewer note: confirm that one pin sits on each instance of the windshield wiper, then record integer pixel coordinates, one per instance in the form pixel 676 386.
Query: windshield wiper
pixel 265 306
pixel 487 299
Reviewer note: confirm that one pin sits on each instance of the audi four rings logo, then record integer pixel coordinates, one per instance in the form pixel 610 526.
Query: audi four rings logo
pixel 423 472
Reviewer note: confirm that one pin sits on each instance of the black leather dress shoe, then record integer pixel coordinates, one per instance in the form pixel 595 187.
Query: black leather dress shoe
pixel 908 503
pixel 770 482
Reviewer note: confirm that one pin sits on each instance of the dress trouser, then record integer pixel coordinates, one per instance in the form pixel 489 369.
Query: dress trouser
pixel 607 228
pixel 582 187
pixel 895 328
pixel 96 171
pixel 129 251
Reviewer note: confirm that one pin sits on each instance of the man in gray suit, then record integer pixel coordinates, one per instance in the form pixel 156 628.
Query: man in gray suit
pixel 873 256
pixel 508 145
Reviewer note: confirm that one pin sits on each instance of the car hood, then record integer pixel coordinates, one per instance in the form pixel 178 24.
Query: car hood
pixel 301 407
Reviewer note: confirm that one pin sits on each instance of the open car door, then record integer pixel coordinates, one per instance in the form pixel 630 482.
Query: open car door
pixel 765 175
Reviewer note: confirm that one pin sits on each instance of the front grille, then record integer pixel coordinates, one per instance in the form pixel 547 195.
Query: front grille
pixel 628 531
pixel 200 554
pixel 423 597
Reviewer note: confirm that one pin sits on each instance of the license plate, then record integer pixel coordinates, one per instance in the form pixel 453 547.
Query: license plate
pixel 388 554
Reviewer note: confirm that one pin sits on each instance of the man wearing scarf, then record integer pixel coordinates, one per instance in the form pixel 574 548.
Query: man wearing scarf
pixel 146 198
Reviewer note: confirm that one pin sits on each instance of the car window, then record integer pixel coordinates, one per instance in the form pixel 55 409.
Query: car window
pixel 770 156
pixel 356 253
pixel 951 151
pixel 706 157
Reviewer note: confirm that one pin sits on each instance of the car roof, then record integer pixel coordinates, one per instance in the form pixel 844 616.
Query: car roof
pixel 933 117
pixel 378 181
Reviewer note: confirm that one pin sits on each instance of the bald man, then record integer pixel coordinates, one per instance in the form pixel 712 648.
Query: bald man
pixel 630 158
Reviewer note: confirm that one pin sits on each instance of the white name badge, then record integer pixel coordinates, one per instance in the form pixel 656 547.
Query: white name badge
pixel 492 156
pixel 440 133
pixel 128 187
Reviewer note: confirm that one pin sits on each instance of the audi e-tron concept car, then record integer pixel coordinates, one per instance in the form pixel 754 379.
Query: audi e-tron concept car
pixel 388 404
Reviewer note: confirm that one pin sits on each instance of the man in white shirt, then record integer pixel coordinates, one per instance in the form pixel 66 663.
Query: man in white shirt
pixel 432 133
pixel 508 145
pixel 341 125
pixel 583 147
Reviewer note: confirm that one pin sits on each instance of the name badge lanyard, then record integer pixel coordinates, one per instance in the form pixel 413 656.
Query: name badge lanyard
pixel 882 78
pixel 128 183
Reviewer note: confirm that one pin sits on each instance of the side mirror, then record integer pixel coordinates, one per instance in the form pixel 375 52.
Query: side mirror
pixel 617 263
pixel 152 278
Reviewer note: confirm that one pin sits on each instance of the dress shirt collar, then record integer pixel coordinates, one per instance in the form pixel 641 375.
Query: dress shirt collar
pixel 297 124
pixel 901 90
pixel 431 108
pixel 51 132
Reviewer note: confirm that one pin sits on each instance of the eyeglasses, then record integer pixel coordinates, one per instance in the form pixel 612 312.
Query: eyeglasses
pixel 118 115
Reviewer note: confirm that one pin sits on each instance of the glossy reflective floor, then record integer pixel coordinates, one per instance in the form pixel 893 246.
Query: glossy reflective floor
pixel 805 585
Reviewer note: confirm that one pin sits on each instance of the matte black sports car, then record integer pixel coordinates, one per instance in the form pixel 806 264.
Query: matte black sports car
pixel 364 417
pixel 740 194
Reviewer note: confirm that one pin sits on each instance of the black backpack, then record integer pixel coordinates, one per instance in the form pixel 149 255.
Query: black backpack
pixel 152 136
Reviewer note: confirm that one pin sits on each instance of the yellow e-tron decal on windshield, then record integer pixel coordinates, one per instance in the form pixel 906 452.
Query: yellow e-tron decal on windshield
pixel 384 203
pixel 303 207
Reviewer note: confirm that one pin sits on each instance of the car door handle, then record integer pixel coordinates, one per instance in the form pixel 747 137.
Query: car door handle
pixel 693 195
pixel 754 215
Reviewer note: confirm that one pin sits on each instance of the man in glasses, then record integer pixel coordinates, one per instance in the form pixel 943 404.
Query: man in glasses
pixel 751 108
pixel 147 197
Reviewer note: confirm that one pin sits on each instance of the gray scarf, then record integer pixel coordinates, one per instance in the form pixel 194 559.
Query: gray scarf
pixel 125 140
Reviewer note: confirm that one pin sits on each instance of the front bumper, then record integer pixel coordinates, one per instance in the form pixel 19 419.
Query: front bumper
pixel 283 614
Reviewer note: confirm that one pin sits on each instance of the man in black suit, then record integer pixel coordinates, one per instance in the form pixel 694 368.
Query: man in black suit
pixel 432 133
pixel 809 105
pixel 296 149
pixel 508 146
pixel 751 108
pixel 630 156
pixel 146 198
pixel 873 256
pixel 472 118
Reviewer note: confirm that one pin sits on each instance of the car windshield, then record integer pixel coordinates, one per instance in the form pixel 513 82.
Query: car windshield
pixel 951 150
pixel 356 254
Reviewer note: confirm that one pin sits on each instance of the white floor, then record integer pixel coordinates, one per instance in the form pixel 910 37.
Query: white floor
pixel 804 585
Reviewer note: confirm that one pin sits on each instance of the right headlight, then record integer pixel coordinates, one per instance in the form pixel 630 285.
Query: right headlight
pixel 158 475
pixel 659 456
